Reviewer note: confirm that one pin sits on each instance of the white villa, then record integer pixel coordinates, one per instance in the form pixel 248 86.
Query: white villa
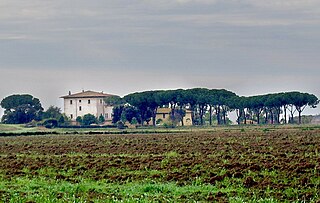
pixel 87 102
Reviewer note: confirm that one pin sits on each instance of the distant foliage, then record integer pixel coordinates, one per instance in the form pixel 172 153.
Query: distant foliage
pixel 52 112
pixel 79 119
pixel 218 103
pixel 207 106
pixel 21 109
pixel 89 119
pixel 50 123
pixel 134 121
pixel 101 119
pixel 120 125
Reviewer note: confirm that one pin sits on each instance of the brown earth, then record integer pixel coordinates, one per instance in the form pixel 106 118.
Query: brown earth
pixel 254 159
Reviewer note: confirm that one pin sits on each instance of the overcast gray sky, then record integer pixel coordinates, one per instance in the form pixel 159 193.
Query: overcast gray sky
pixel 121 46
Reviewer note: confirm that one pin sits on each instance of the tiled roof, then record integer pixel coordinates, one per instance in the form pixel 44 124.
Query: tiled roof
pixel 87 94
pixel 168 110
pixel 164 110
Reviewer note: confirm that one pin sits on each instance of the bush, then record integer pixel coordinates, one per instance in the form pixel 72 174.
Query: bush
pixel 32 124
pixel 89 119
pixel 50 123
pixel 101 119
pixel 159 121
pixel 79 120
pixel 134 121
pixel 120 125
pixel 169 125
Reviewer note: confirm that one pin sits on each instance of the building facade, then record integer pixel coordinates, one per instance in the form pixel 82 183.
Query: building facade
pixel 163 116
pixel 87 102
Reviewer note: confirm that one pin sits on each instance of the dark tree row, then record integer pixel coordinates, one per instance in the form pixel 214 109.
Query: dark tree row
pixel 269 107
pixel 218 103
pixel 143 106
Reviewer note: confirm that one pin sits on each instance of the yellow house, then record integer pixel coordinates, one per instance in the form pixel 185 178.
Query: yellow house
pixel 249 122
pixel 163 116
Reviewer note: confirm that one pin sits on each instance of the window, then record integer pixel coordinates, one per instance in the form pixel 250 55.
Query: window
pixel 80 101
pixel 70 102
pixel 71 116
pixel 100 101
pixel 80 108
pixel 89 101
pixel 163 115
pixel 106 115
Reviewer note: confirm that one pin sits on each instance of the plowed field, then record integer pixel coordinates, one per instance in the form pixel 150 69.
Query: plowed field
pixel 219 165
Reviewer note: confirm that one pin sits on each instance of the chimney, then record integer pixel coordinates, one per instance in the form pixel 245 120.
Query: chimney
pixel 82 90
pixel 69 92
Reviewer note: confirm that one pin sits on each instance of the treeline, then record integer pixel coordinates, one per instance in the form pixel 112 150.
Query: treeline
pixel 216 103
pixel 25 108
pixel 22 109
pixel 206 105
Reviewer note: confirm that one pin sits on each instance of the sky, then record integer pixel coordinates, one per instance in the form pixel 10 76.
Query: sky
pixel 250 47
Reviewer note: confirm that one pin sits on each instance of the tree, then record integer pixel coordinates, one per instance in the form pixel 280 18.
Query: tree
pixel 21 109
pixel 50 123
pixel 202 102
pixel 140 101
pixel 116 113
pixel 89 119
pixel 52 112
pixel 256 105
pixel 134 121
pixel 190 100
pixel 238 104
pixel 63 120
pixel 225 97
pixel 79 120
pixel 178 116
pixel 220 100
pixel 101 119
pixel 118 105
pixel 273 104
pixel 285 102
pixel 123 117
pixel 114 101
pixel 130 112
pixel 302 100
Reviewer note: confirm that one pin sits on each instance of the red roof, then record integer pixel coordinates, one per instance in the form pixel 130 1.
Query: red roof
pixel 87 94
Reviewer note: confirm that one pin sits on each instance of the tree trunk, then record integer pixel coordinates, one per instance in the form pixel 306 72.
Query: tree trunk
pixel 143 115
pixel 201 108
pixel 266 118
pixel 218 114
pixel 173 106
pixel 238 112
pixel 285 114
pixel 182 123
pixel 299 117
pixel 154 114
pixel 200 114
pixel 192 114
pixel 225 114
pixel 210 115
pixel 245 117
